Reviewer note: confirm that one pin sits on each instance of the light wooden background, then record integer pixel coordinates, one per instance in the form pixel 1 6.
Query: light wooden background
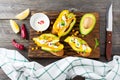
pixel 9 8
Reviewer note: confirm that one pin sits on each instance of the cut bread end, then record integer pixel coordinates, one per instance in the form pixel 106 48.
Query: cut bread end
pixel 59 53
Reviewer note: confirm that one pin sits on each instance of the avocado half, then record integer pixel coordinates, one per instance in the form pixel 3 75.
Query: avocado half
pixel 87 23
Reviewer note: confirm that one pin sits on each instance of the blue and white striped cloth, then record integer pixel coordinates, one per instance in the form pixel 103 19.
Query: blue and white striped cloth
pixel 18 67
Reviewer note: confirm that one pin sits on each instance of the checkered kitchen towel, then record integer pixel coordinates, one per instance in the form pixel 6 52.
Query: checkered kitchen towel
pixel 18 67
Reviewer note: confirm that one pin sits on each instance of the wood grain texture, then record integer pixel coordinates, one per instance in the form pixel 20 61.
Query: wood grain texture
pixel 9 8
pixel 68 51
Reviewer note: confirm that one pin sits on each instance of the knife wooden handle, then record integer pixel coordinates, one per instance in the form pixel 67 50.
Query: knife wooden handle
pixel 108 45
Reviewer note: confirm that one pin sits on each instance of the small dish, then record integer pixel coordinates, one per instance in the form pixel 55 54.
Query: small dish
pixel 39 22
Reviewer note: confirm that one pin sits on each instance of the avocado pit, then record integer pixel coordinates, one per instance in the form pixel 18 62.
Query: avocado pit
pixel 87 22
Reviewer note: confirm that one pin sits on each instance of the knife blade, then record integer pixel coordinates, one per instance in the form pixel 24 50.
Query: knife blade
pixel 109 34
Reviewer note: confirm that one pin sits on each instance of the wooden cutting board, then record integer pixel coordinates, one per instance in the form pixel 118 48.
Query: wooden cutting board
pixel 68 51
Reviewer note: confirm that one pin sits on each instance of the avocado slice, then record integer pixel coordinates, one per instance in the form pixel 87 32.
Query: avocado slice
pixel 87 23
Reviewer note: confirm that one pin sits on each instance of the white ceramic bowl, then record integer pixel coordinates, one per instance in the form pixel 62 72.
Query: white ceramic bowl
pixel 39 22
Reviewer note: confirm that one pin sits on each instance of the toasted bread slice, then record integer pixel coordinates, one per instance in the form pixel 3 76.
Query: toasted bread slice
pixel 59 53
pixel 84 54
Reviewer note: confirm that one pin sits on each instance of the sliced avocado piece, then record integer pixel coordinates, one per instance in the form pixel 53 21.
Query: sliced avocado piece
pixel 87 23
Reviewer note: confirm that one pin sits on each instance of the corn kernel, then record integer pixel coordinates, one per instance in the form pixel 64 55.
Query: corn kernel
pixel 38 31
pixel 72 35
pixel 36 48
pixel 51 22
pixel 76 33
pixel 73 30
pixel 32 48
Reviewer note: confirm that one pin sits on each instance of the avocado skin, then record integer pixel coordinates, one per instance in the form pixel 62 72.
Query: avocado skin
pixel 84 31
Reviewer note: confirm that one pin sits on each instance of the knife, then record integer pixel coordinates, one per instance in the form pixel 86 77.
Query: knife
pixel 109 33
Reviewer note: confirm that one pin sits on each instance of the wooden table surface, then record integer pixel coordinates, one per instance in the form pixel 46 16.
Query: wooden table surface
pixel 9 8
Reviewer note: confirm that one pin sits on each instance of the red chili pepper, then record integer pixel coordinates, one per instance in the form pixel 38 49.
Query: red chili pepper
pixel 17 45
pixel 23 31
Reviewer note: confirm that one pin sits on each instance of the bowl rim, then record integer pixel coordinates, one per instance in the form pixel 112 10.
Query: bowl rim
pixel 34 16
